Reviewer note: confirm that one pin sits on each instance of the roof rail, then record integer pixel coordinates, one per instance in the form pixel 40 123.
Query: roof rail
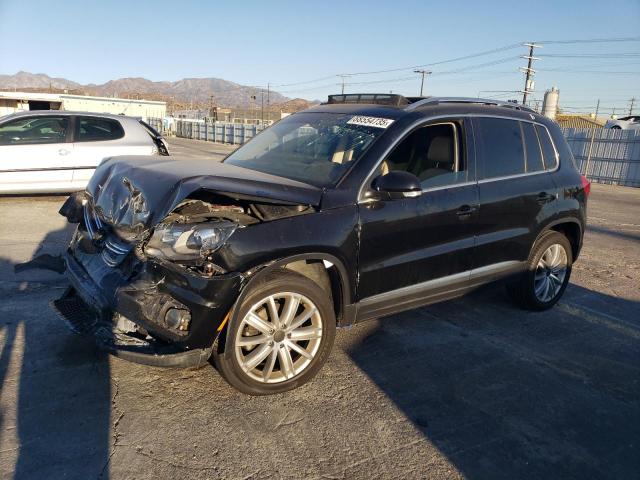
pixel 478 101
pixel 388 99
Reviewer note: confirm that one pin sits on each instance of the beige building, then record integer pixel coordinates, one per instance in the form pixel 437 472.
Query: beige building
pixel 17 101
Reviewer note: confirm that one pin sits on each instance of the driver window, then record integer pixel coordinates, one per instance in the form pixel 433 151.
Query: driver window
pixel 34 130
pixel 432 154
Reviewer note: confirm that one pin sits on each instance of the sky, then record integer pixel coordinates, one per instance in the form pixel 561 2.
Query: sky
pixel 300 47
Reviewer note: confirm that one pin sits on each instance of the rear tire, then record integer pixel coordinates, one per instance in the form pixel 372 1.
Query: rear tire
pixel 547 275
pixel 280 336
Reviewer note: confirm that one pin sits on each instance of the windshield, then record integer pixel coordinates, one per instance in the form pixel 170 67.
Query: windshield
pixel 314 148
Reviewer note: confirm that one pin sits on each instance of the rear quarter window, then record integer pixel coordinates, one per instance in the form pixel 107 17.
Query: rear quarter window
pixel 549 153
pixel 94 129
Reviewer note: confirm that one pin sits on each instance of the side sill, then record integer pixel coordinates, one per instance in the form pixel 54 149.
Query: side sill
pixel 433 291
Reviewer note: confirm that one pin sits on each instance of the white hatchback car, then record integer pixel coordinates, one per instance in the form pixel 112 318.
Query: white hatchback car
pixel 631 122
pixel 58 151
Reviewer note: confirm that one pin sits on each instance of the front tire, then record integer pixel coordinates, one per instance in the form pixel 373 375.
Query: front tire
pixel 280 337
pixel 547 275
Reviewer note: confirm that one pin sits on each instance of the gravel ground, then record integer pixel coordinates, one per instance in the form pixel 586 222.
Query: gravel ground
pixel 471 388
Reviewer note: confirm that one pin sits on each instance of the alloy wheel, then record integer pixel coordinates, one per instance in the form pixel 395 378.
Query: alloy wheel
pixel 278 337
pixel 550 273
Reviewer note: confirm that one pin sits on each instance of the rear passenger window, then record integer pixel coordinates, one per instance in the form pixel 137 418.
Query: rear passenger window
pixel 500 146
pixel 93 129
pixel 532 148
pixel 550 158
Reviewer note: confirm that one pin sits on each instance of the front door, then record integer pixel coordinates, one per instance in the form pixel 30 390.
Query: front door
pixel 408 241
pixel 36 154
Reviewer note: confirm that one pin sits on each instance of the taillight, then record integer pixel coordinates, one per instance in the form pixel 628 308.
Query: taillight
pixel 586 185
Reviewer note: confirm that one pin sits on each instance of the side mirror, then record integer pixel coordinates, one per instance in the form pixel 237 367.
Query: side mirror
pixel 398 184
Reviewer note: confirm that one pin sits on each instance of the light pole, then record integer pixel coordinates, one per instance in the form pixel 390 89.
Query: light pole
pixel 423 73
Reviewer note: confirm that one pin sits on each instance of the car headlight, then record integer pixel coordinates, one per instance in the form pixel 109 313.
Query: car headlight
pixel 179 241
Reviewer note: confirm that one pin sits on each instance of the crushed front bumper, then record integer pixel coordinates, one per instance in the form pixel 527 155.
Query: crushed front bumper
pixel 96 300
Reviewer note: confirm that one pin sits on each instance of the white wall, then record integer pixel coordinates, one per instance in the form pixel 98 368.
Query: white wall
pixel 134 108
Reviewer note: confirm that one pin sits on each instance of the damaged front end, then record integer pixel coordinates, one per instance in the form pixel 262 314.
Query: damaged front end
pixel 144 280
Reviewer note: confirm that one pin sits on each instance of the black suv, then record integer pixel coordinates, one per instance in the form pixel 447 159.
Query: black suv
pixel 361 207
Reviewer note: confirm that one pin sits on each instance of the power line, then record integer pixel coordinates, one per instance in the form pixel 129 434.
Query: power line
pixel 469 68
pixel 441 62
pixel 564 70
pixel 412 67
pixel 484 53
pixel 305 82
pixel 592 40
pixel 592 55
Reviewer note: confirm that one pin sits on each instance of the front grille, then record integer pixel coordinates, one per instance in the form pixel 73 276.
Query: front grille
pixel 114 250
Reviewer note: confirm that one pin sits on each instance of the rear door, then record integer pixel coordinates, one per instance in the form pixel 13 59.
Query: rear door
pixel 516 189
pixel 36 154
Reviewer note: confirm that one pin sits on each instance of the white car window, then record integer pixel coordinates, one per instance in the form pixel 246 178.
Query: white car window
pixel 34 130
pixel 93 129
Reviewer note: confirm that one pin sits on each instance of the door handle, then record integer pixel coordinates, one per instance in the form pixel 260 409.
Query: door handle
pixel 465 211
pixel 544 197
pixel 63 151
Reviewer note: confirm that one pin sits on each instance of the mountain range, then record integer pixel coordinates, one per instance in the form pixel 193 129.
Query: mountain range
pixel 195 92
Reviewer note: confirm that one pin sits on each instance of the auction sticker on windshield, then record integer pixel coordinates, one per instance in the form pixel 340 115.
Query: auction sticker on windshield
pixel 370 121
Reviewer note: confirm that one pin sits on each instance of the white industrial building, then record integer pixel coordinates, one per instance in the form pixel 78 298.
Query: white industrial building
pixel 11 102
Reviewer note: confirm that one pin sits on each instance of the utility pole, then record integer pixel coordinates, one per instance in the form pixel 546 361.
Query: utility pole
pixel 212 110
pixel 529 72
pixel 343 77
pixel 633 102
pixel 593 134
pixel 423 73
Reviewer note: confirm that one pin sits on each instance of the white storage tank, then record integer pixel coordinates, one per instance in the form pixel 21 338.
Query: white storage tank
pixel 550 103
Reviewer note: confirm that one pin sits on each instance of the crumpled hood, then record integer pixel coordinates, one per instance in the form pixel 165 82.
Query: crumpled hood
pixel 133 193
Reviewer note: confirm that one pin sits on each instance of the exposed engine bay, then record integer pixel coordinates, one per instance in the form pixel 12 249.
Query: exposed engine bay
pixel 206 206
pixel 203 223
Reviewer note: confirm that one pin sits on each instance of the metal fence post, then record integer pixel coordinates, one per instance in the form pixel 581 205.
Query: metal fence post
pixel 593 134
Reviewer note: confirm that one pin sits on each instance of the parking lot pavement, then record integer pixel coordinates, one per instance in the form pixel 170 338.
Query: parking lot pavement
pixel 186 148
pixel 471 388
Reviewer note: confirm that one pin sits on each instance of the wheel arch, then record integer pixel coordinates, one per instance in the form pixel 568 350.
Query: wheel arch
pixel 339 281
pixel 571 228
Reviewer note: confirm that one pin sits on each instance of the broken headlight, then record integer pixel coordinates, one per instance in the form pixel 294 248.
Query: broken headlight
pixel 179 241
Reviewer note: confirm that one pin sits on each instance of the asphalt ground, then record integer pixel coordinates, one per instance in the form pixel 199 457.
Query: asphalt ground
pixel 186 148
pixel 471 388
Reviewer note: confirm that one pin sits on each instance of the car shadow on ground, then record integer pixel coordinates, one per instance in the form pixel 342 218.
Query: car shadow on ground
pixel 55 385
pixel 505 393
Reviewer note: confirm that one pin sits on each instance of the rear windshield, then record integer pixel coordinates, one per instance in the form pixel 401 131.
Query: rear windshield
pixel 314 148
